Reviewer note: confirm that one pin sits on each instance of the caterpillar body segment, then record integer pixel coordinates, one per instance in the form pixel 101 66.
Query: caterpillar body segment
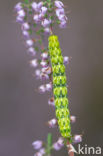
pixel 59 87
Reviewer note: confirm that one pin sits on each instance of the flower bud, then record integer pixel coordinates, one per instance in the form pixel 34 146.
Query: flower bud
pixel 63 24
pixel 34 63
pixel 77 138
pixel 38 154
pixel 34 6
pixel 47 30
pixel 25 26
pixel 25 34
pixel 43 10
pixel 59 144
pixel 44 55
pixel 51 102
pixel 60 12
pixel 48 87
pixel 29 42
pixel 36 18
pixel 43 63
pixel 37 73
pixel 73 119
pixel 66 60
pixel 40 4
pixel 44 76
pixel 46 70
pixel 18 6
pixel 59 4
pixel 31 51
pixel 52 123
pixel 37 144
pixel 42 89
pixel 46 22
pixel 42 151
pixel 19 19
pixel 21 13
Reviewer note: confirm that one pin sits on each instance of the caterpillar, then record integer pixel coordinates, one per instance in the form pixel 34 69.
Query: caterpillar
pixel 59 87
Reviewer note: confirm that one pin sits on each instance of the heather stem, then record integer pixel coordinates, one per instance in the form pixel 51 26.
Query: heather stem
pixel 49 143
pixel 70 152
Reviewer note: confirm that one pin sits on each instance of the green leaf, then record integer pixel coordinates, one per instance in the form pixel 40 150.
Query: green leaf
pixel 26 1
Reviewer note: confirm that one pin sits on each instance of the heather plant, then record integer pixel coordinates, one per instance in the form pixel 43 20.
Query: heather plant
pixel 38 21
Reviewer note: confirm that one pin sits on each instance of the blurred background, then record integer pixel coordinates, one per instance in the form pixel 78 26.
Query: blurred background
pixel 24 112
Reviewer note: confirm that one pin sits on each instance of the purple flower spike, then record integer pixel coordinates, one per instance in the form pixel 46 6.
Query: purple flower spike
pixel 51 102
pixel 25 26
pixel 59 144
pixel 59 4
pixel 42 89
pixel 77 139
pixel 52 123
pixel 29 43
pixel 43 10
pixel 73 119
pixel 31 51
pixel 48 87
pixel 37 144
pixel 46 23
pixel 34 63
pixel 18 6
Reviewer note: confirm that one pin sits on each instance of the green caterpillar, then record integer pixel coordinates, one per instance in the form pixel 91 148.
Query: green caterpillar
pixel 59 87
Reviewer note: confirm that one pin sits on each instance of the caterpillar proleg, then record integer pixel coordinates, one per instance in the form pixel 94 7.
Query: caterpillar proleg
pixel 59 87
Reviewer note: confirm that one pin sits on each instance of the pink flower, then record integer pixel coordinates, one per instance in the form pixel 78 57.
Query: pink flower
pixel 46 22
pixel 73 119
pixel 52 123
pixel 59 144
pixel 21 13
pixel 25 34
pixel 37 144
pixel 60 12
pixel 66 60
pixel 34 6
pixel 42 89
pixel 34 63
pixel 51 102
pixel 32 51
pixel 36 18
pixel 18 6
pixel 25 26
pixel 77 139
pixel 48 86
pixel 43 10
pixel 29 42
pixel 59 4
pixel 44 55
